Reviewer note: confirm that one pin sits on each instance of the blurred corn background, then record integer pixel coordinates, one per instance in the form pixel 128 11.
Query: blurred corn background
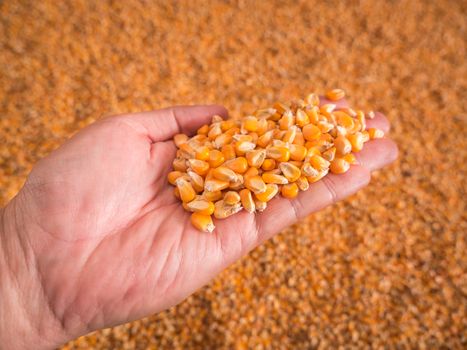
pixel 386 268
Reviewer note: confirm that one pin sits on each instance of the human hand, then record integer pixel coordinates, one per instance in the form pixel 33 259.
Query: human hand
pixel 96 237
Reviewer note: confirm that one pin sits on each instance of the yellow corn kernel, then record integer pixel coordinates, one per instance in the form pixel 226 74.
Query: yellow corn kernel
pixel 243 137
pixel 302 118
pixel 199 166
pixel 214 131
pixel 313 150
pixel 203 130
pixel 247 201
pixel 196 180
pixel 227 124
pixel 237 184
pixel 280 107
pixel 290 171
pixel 176 192
pixel 255 184
pixel 260 206
pixel 289 190
pixel 350 158
pixel 335 94
pixel 343 145
pixel 361 119
pixel 179 164
pixel 271 178
pixel 187 193
pixel 327 109
pixel 349 111
pixel 319 163
pixel 375 133
pixel 330 154
pixel 213 185
pixel 231 198
pixel 180 139
pixel 202 222
pixel 297 152
pixel 262 127
pixel 356 140
pixel 366 136
pixel 221 140
pixel 286 121
pixel 268 164
pixel 346 121
pixel 324 126
pixel 256 158
pixel 186 151
pixel 290 134
pixel 265 139
pixel 299 139
pixel 251 172
pixel 278 153
pixel 313 114
pixel 268 194
pixel 212 196
pixel 312 99
pixel 201 206
pixel 222 210
pixel 302 183
pixel 228 151
pixel 250 123
pixel 241 147
pixel 321 174
pixel 311 132
pixel 308 170
pixel 239 164
pixel 202 153
pixel 173 175
pixel 339 166
pixel 297 163
pixel 234 131
pixel 224 173
pixel 216 158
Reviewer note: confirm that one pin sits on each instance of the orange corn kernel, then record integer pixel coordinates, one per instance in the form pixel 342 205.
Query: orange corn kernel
pixel 239 165
pixel 179 139
pixel 216 158
pixel 311 132
pixel 250 123
pixel 343 145
pixel 255 184
pixel 203 130
pixel 350 158
pixel 356 140
pixel 202 153
pixel 289 190
pixel 251 172
pixel 321 174
pixel 201 206
pixel 286 121
pixel 335 94
pixel 339 166
pixel 213 185
pixel 199 166
pixel 290 171
pixel 268 164
pixel 297 152
pixel 312 99
pixel 228 151
pixel 214 131
pixel 187 193
pixel 278 153
pixel 319 163
pixel 186 151
pixel 231 198
pixel 247 201
pixel 221 140
pixel 196 180
pixel 223 173
pixel 222 210
pixel 330 154
pixel 268 194
pixel 302 118
pixel 375 133
pixel 173 175
pixel 272 178
pixel 179 164
pixel 265 139
pixel 256 158
pixel 259 205
pixel 302 183
pixel 202 222
pixel 212 196
pixel 241 147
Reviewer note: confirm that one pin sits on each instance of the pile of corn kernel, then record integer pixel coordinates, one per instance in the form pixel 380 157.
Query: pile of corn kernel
pixel 232 165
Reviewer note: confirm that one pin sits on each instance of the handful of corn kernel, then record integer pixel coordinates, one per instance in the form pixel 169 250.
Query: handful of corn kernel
pixel 232 165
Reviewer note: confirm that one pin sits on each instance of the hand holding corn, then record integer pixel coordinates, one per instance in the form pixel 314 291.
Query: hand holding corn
pixel 96 237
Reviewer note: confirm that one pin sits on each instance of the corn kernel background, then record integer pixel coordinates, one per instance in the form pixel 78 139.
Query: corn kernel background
pixel 386 267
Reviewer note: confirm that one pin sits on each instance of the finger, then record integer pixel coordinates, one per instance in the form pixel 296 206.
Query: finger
pixel 379 121
pixel 282 212
pixel 163 124
pixel 377 154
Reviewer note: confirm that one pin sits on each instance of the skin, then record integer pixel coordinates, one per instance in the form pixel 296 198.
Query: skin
pixel 96 237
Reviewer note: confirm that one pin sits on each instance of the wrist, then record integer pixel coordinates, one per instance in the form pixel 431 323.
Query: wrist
pixel 26 319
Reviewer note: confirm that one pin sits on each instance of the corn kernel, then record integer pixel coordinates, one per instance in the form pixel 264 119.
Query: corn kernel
pixel 343 145
pixel 228 151
pixel 289 190
pixel 247 201
pixel 319 163
pixel 271 178
pixel 250 123
pixel 260 206
pixel 256 158
pixel 212 196
pixel 321 174
pixel 173 175
pixel 375 133
pixel 339 166
pixel 330 154
pixel 239 165
pixel 278 153
pixel 350 158
pixel 255 184
pixel 302 118
pixel 201 206
pixel 216 158
pixel 290 171
pixel 203 130
pixel 269 193
pixel 311 132
pixel 224 174
pixel 231 198
pixel 187 193
pixel 251 172
pixel 335 94
pixel 214 131
pixel 265 139
pixel 302 183
pixel 202 222
pixel 180 139
pixel 198 166
pixel 241 147
pixel 202 153
pixel 221 140
pixel 297 152
pixel 268 164
pixel 356 140
pixel 222 210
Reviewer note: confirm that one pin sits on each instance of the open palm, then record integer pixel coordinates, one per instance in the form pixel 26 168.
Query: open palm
pixel 113 244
